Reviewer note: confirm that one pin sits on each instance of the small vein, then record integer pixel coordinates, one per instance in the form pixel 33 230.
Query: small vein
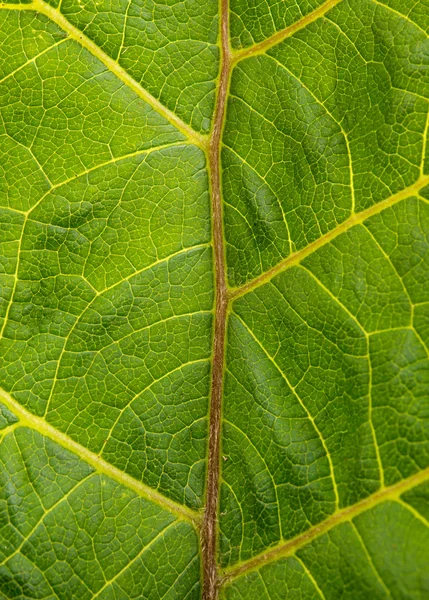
pixel 239 508
pixel 45 514
pixel 334 298
pixel 271 190
pixel 310 417
pixel 100 351
pixel 389 260
pixel 33 59
pixel 266 467
pixel 117 70
pixel 413 511
pixel 159 535
pixel 310 576
pixel 121 412
pixel 369 558
pixel 328 112
pixel 104 164
pixel 124 30
pixel 399 14
pixel 425 141
pixel 362 330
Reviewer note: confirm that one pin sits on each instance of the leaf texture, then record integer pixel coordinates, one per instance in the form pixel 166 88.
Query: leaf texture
pixel 214 299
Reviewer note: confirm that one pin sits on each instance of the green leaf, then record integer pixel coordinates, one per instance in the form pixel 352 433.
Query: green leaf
pixel 214 299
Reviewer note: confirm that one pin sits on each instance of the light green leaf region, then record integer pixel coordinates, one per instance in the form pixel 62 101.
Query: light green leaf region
pixel 168 47
pixel 111 113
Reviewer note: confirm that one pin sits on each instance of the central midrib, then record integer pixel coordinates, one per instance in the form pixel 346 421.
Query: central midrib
pixel 212 577
pixel 209 528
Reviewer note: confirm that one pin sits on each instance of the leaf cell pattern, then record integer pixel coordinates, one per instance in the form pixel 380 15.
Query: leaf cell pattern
pixel 214 299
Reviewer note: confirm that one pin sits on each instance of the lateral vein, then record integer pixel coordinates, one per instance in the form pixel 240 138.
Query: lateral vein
pixel 355 219
pixel 100 465
pixel 279 36
pixel 117 70
pixel 288 548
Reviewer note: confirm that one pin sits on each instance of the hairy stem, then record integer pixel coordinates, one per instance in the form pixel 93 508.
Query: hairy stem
pixel 209 529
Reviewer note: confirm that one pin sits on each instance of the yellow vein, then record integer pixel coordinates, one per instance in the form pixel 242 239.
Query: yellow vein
pixel 118 56
pixel 101 466
pixel 415 512
pixel 368 357
pixel 159 535
pixel 30 151
pixel 410 92
pixel 265 586
pixel 426 201
pixel 28 218
pixel 357 218
pixel 399 14
pixel 33 560
pixel 371 423
pixel 309 416
pixel 281 35
pixel 280 205
pixel 258 453
pixel 394 269
pixel 148 387
pixel 425 141
pixel 411 324
pixel 369 559
pixel 342 516
pixel 45 514
pixel 6 6
pixel 328 112
pixel 36 160
pixel 242 519
pixel 119 340
pixel 310 576
pixel 33 59
pixel 419 337
pixel 117 70
pixel 155 264
pixel 335 299
pixel 4 432
pixel 111 161
pixel 99 293
pixel 99 351
pixel 15 281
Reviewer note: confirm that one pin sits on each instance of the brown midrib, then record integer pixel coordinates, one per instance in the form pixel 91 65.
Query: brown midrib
pixel 209 542
pixel 209 527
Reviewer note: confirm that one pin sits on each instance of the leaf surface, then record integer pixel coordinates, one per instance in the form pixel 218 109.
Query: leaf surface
pixel 214 292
